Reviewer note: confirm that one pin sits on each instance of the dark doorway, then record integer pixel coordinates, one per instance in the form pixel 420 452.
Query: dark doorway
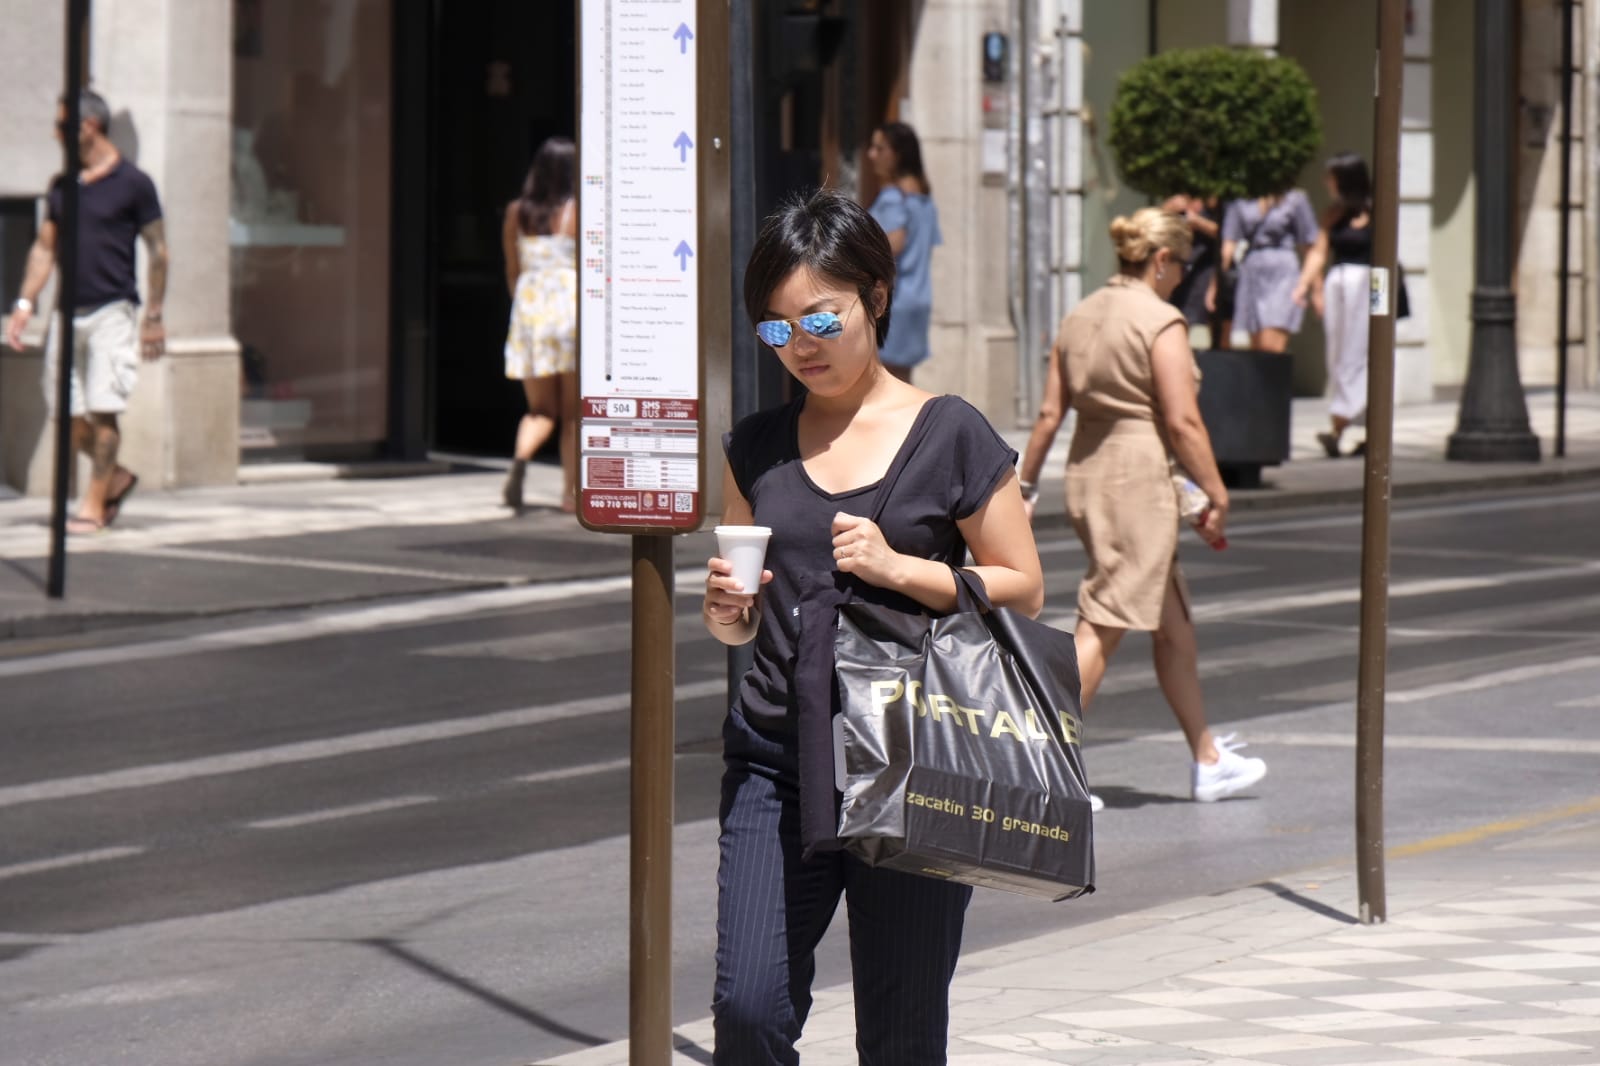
pixel 506 80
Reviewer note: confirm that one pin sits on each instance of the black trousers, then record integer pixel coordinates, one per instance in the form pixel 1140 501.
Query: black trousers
pixel 773 908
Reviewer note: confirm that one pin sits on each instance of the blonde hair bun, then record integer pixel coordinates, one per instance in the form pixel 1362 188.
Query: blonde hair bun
pixel 1150 229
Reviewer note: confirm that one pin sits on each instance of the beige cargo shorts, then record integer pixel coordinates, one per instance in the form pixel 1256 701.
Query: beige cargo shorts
pixel 105 358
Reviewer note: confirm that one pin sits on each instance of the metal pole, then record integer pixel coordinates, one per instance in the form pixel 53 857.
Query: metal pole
pixel 1016 228
pixel 746 370
pixel 1036 210
pixel 1060 190
pixel 1563 276
pixel 1380 450
pixel 67 296
pixel 650 858
pixel 1493 424
pixel 746 373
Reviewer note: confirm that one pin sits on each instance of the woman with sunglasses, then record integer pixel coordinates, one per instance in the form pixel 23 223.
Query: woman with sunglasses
pixel 905 210
pixel 1122 361
pixel 819 288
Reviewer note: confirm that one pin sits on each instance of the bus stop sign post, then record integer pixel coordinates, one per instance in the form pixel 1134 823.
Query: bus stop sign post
pixel 652 299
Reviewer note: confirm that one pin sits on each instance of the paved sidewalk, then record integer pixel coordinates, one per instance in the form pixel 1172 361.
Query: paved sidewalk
pixel 280 545
pixel 276 544
pixel 1421 432
pixel 1491 955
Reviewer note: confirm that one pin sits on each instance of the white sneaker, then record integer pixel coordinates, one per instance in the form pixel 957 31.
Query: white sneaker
pixel 1096 804
pixel 1229 774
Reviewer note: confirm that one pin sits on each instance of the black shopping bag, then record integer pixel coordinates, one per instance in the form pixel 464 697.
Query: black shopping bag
pixel 959 736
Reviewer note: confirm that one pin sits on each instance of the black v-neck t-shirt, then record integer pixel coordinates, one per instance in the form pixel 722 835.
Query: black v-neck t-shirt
pixel 957 460
pixel 112 212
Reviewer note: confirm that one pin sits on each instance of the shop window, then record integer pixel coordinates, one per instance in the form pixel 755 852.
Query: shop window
pixel 309 223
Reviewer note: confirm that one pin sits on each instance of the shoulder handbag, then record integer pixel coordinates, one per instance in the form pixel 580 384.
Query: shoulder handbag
pixel 1228 280
pixel 960 746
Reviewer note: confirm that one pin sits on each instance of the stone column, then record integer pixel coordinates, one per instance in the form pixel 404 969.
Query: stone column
pixel 1069 172
pixel 166 68
pixel 1253 24
pixel 1540 272
pixel 1494 410
pixel 1585 367
pixel 1413 364
pixel 31 156
pixel 974 347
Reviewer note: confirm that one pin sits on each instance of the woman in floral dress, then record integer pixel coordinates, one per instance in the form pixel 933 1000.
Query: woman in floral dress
pixel 541 272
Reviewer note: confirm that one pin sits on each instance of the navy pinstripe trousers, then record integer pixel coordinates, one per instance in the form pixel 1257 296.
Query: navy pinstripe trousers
pixel 772 909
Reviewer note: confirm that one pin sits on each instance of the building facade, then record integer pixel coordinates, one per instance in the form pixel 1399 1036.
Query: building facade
pixel 334 173
pixel 1335 43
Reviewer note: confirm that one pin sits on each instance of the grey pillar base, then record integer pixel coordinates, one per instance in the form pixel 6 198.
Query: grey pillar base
pixel 1493 426
pixel 1493 446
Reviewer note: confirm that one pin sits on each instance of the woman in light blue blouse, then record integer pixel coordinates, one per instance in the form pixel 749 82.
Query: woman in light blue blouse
pixel 904 208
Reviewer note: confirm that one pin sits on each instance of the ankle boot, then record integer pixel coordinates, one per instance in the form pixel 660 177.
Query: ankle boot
pixel 512 495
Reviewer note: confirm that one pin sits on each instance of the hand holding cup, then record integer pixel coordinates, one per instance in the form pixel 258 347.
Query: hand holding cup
pixel 735 575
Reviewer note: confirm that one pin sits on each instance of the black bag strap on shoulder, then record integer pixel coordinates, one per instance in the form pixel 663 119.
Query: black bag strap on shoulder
pixel 919 432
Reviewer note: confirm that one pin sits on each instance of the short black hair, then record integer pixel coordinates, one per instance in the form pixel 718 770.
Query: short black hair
pixel 91 105
pixel 832 236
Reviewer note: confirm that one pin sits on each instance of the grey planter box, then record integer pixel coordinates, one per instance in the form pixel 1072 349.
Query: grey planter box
pixel 1245 400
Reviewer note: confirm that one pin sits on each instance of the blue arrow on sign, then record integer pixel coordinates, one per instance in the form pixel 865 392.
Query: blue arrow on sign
pixel 683 35
pixel 684 254
pixel 683 144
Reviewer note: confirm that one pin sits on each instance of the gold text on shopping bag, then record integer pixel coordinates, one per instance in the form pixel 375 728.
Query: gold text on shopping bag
pixel 1022 726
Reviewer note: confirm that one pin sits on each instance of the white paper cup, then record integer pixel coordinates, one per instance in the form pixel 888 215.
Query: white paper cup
pixel 746 548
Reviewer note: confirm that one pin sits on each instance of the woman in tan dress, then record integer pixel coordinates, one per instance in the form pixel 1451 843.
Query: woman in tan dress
pixel 1122 361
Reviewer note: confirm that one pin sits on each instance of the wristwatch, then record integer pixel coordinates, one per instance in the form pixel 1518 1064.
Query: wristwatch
pixel 1030 491
pixel 23 304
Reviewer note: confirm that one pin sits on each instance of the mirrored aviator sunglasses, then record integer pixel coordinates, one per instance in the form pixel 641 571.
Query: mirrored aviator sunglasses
pixel 779 331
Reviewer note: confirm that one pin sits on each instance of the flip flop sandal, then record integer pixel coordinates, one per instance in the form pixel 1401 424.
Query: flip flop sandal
pixel 81 527
pixel 114 504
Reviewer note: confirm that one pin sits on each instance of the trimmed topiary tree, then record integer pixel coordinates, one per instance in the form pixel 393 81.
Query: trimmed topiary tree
pixel 1214 122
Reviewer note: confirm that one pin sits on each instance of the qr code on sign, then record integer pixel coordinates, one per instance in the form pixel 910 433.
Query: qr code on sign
pixel 683 502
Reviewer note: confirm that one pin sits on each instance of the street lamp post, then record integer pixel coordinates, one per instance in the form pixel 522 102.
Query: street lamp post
pixel 1493 424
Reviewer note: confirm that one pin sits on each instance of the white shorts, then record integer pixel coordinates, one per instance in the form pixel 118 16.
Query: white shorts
pixel 105 364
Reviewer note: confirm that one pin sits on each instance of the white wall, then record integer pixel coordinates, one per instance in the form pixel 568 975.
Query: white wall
pixel 32 50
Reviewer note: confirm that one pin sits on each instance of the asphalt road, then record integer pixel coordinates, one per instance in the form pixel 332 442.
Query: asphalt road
pixel 394 834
